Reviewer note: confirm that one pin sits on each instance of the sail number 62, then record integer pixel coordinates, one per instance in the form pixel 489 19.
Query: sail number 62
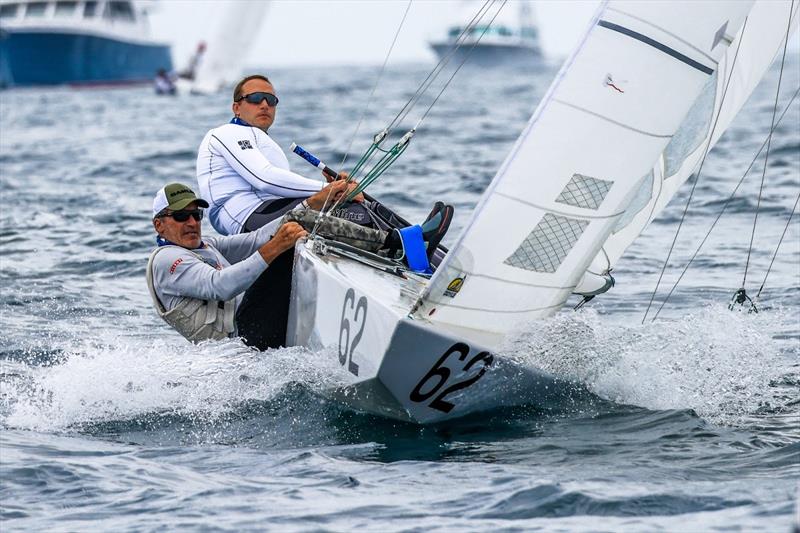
pixel 436 378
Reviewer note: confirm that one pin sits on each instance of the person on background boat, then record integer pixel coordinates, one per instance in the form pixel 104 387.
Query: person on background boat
pixel 222 287
pixel 163 84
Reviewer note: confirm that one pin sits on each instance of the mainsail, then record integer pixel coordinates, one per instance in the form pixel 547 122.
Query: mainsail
pixel 625 122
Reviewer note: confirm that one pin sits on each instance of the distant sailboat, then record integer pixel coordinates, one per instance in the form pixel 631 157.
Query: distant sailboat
pixel 223 59
pixel 510 36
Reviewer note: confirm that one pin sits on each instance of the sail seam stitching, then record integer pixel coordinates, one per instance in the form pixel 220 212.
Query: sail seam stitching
pixel 598 115
pixel 556 212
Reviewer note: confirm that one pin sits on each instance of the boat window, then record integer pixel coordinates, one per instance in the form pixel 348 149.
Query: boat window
pixel 89 9
pixel 35 9
pixel 118 10
pixel 693 131
pixel 65 8
pixel 8 11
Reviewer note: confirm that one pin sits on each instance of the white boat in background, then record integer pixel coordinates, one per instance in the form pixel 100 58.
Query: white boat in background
pixel 648 90
pixel 223 60
pixel 509 38
pixel 78 42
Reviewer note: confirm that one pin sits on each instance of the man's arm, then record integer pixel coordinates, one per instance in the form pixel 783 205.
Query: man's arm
pixel 236 247
pixel 179 272
pixel 256 169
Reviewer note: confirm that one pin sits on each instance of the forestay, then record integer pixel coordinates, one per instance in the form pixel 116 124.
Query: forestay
pixel 578 165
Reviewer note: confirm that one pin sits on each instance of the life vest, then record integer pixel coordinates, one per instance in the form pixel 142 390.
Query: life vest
pixel 195 319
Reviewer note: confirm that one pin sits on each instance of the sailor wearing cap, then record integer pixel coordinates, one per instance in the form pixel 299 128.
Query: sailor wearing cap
pixel 213 288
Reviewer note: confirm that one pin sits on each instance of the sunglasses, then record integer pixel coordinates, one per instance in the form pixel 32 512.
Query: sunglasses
pixel 258 97
pixel 183 216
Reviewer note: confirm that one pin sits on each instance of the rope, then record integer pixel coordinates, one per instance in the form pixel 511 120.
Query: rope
pixel 780 241
pixel 697 175
pixel 769 142
pixel 725 206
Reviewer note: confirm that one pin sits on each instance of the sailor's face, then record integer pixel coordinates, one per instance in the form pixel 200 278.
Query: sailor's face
pixel 186 234
pixel 260 115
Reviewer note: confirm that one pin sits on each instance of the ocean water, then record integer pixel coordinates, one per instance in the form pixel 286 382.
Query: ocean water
pixel 110 421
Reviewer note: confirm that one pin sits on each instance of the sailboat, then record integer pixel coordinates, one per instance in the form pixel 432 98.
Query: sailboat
pixel 646 93
pixel 223 57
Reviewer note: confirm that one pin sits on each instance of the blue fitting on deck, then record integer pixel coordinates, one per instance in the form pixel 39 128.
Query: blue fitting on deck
pixel 414 248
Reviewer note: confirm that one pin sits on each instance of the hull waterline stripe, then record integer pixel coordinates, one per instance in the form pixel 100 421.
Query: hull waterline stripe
pixel 657 45
pixel 620 124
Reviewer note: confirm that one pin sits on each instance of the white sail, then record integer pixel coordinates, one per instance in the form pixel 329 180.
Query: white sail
pixel 754 49
pixel 613 109
pixel 232 43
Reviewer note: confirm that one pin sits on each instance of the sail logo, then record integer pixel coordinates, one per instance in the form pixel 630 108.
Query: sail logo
pixel 245 145
pixel 454 286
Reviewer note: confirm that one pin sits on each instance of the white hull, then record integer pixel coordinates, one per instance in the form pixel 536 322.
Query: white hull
pixel 399 367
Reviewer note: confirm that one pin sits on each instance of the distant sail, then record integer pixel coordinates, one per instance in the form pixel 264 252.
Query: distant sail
pixel 233 41
pixel 617 109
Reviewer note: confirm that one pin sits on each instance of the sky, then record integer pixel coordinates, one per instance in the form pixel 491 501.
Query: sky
pixel 350 32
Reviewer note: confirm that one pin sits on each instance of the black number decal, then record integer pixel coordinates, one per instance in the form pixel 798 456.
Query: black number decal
pixel 439 402
pixel 442 373
pixel 346 349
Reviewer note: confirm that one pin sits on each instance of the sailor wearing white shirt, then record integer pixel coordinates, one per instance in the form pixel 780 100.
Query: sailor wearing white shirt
pixel 243 173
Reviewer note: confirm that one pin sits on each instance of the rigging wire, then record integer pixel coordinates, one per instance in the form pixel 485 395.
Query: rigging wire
pixel 769 142
pixel 725 206
pixel 363 113
pixel 390 156
pixel 375 87
pixel 433 74
pixel 460 65
pixel 780 241
pixel 697 175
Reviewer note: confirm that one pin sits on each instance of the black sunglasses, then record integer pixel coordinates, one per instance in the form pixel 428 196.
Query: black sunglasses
pixel 183 216
pixel 258 97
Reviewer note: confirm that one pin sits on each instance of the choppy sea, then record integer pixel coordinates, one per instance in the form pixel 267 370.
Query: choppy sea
pixel 110 421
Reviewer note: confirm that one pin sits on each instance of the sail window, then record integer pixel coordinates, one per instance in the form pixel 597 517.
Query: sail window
pixel 65 9
pixel 548 244
pixel 89 10
pixel 584 191
pixel 693 131
pixel 36 9
pixel 642 197
pixel 8 11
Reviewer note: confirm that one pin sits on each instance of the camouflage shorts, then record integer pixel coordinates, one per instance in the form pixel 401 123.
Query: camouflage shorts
pixel 337 229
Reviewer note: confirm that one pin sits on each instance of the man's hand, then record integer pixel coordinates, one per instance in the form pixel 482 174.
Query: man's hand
pixel 331 193
pixel 284 239
pixel 329 179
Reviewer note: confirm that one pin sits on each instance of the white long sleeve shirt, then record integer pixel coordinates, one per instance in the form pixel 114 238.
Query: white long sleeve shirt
pixel 228 267
pixel 238 168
